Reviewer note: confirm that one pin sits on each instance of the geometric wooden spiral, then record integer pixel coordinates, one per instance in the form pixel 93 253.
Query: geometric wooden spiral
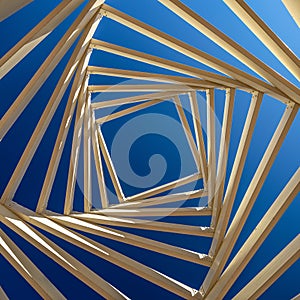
pixel 139 219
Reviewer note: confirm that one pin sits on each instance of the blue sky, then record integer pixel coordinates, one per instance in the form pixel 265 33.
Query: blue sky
pixel 150 11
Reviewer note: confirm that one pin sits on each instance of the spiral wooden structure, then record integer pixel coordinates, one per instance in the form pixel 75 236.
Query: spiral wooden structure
pixel 211 164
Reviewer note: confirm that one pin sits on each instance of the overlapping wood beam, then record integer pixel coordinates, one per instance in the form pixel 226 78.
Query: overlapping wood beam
pixel 251 20
pixel 290 91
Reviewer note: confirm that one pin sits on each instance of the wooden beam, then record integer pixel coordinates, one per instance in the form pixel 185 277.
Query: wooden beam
pixel 37 34
pixel 265 34
pixel 108 254
pixel 170 198
pixel 236 172
pixel 285 86
pixel 27 269
pixel 144 224
pixel 60 256
pixel 223 155
pixel 110 166
pixel 199 135
pixel 48 113
pixel 48 66
pixel 8 8
pixel 188 133
pixel 251 61
pixel 267 276
pixel 138 88
pixel 249 198
pixel 192 82
pixel 163 211
pixel 293 8
pixel 256 238
pixel 133 99
pixel 3 295
pixel 75 150
pixel 98 162
pixel 211 145
pixel 165 187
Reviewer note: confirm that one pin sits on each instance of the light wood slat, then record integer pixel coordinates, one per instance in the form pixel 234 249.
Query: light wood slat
pixel 250 196
pixel 87 127
pixel 98 162
pixel 293 8
pixel 256 238
pixel 3 295
pixel 145 224
pixel 181 211
pixel 192 82
pixel 8 8
pixel 236 172
pixel 36 35
pixel 169 65
pixel 187 131
pixel 133 99
pixel 170 198
pixel 211 145
pixel 199 135
pixel 128 111
pixel 238 51
pixel 290 90
pixel 267 276
pixel 110 166
pixel 75 150
pixel 297 297
pixel 138 88
pixel 281 51
pixel 48 66
pixel 57 254
pixel 109 255
pixel 46 117
pixel 223 154
pixel 27 269
pixel 165 187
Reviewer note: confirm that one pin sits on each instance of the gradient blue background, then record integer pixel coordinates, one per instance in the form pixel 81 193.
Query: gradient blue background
pixel 150 11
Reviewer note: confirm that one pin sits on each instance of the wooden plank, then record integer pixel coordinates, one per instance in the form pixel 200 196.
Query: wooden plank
pixel 48 66
pixel 223 154
pixel 188 133
pixel 226 43
pixel 57 254
pixel 249 198
pixel 138 88
pixel 145 224
pixel 75 150
pixel 267 276
pixel 280 50
pixel 87 189
pixel 211 145
pixel 162 211
pixel 47 115
pixel 8 8
pixel 27 269
pixel 293 8
pixel 133 99
pixel 110 166
pixel 236 172
pixel 3 295
pixel 193 82
pixel 98 162
pixel 108 254
pixel 170 198
pixel 37 34
pixel 128 111
pixel 256 238
pixel 290 90
pixel 199 135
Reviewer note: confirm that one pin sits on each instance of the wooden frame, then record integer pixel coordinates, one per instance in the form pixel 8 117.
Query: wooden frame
pixel 144 211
